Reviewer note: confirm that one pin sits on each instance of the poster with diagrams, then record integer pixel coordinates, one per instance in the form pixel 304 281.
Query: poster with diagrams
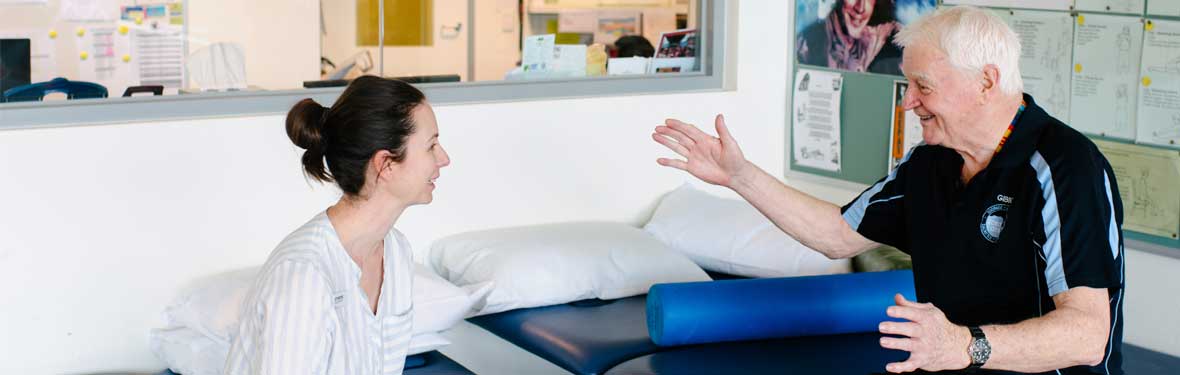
pixel 1026 4
pixel 1159 88
pixel 1112 6
pixel 1046 41
pixel 1164 8
pixel 1105 74
pixel 1147 180
pixel 816 134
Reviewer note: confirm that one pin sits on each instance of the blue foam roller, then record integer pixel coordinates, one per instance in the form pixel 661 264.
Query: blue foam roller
pixel 752 309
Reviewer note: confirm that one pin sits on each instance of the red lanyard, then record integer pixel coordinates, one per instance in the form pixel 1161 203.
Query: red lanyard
pixel 1008 133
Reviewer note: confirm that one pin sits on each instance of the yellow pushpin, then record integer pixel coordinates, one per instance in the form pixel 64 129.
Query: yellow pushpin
pixel 139 20
pixel 123 29
pixel 1146 81
pixel 126 58
pixel 52 34
pixel 81 32
pixel 1149 26
pixel 1081 19
pixel 84 55
pixel 1077 68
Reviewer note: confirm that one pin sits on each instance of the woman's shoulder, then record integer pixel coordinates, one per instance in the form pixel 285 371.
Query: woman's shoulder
pixel 398 235
pixel 307 245
pixel 310 238
pixel 402 243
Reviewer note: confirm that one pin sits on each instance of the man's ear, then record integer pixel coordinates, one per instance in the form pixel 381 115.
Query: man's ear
pixel 990 81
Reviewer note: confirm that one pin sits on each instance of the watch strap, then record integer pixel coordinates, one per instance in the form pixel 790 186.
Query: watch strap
pixel 976 335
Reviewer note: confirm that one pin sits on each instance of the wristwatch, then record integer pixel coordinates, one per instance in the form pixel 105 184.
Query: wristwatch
pixel 979 350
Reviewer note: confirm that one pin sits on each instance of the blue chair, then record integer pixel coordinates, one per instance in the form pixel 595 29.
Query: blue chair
pixel 37 91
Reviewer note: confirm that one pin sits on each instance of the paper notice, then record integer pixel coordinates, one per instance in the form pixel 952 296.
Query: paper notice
pixel 816 134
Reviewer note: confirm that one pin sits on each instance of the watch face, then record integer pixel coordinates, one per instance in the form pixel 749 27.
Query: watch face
pixel 980 351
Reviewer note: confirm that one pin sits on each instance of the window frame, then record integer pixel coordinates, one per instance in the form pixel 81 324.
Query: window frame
pixel 717 63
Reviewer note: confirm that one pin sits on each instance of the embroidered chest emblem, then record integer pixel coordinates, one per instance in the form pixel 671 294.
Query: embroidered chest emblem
pixel 992 223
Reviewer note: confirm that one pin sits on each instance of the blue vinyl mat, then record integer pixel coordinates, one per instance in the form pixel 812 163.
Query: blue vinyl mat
pixel 585 337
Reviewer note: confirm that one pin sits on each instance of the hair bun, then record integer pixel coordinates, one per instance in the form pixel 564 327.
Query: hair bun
pixel 305 123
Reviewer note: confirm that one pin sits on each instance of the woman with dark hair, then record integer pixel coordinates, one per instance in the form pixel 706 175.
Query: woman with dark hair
pixel 633 45
pixel 857 35
pixel 334 296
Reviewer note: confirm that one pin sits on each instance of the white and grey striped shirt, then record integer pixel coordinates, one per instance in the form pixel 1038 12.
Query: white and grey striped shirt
pixel 307 314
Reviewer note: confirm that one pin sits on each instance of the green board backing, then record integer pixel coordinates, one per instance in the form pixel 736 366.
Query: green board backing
pixel 866 114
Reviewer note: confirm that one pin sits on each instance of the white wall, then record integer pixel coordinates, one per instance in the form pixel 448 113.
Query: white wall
pixel 102 225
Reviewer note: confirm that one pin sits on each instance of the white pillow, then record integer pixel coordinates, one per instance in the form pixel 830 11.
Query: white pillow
pixel 213 305
pixel 558 263
pixel 438 304
pixel 731 236
pixel 189 352
pixel 426 342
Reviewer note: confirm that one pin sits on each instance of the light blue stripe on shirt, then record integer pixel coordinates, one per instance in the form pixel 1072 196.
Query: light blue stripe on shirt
pixel 1051 219
pixel 856 212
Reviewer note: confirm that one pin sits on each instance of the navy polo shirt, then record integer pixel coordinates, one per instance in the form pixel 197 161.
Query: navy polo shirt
pixel 1042 217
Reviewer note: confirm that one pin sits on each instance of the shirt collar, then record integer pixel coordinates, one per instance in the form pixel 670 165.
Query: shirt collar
pixel 1021 144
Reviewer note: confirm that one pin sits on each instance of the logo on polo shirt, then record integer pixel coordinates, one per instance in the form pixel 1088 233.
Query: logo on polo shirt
pixel 993 222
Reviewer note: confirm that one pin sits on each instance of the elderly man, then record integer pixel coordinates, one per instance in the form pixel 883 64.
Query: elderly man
pixel 1012 217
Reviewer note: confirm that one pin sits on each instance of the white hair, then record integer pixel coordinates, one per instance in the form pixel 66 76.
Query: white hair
pixel 971 38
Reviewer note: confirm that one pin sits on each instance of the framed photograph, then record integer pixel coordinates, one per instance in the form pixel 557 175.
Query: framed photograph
pixel 854 35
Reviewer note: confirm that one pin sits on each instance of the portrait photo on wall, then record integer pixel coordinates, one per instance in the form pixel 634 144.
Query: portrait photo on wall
pixel 854 35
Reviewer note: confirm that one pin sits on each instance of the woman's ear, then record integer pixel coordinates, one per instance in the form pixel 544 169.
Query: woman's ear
pixel 380 162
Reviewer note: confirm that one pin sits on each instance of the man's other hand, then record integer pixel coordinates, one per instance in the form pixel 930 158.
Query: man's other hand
pixel 934 343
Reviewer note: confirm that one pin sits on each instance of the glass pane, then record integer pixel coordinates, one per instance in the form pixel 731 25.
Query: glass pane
pixel 82 50
pixel 494 40
pixel 114 47
pixel 407 22
pixel 589 38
